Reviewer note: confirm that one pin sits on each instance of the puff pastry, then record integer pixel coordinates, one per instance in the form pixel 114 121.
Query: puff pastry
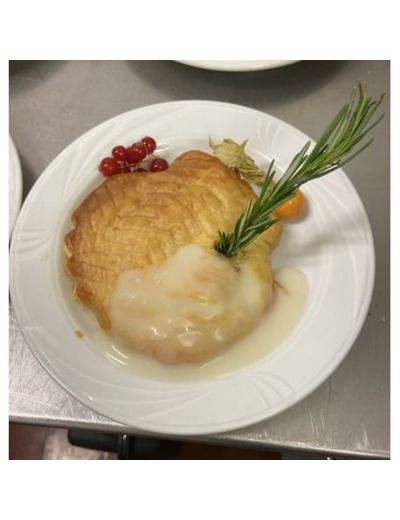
pixel 133 221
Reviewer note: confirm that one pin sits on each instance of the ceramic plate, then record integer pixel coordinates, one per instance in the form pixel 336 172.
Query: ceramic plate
pixel 332 245
pixel 15 186
pixel 237 65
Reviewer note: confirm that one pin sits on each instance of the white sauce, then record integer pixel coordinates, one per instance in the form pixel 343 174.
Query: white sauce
pixel 268 329
pixel 187 309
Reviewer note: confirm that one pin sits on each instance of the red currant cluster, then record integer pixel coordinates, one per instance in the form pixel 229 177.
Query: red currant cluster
pixel 133 159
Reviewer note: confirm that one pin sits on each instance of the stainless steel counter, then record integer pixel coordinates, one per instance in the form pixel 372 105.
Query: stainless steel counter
pixel 53 103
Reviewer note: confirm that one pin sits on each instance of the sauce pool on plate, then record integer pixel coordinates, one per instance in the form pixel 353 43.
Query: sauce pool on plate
pixel 276 324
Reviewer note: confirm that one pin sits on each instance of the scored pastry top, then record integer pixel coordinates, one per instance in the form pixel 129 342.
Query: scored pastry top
pixel 132 221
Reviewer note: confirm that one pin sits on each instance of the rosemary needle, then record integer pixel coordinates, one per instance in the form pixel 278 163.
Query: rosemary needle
pixel 334 149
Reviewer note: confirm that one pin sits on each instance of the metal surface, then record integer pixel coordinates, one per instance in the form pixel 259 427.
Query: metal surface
pixel 53 103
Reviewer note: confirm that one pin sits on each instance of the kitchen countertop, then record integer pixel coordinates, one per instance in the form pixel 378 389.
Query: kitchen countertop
pixel 54 102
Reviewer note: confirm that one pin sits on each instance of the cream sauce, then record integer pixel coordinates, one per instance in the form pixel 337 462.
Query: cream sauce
pixel 275 325
pixel 189 308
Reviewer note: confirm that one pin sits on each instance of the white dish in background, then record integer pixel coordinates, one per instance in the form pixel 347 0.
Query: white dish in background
pixel 15 186
pixel 237 65
pixel 332 245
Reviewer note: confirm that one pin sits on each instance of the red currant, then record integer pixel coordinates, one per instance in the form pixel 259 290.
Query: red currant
pixel 158 165
pixel 120 153
pixel 150 144
pixel 125 169
pixel 109 166
pixel 137 153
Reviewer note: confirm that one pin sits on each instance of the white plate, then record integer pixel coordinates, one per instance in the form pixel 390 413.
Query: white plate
pixel 237 65
pixel 332 246
pixel 15 186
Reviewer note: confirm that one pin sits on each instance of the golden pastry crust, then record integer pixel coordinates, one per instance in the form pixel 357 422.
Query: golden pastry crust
pixel 135 220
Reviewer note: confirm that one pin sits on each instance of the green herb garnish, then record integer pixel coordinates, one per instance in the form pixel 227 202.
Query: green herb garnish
pixel 334 149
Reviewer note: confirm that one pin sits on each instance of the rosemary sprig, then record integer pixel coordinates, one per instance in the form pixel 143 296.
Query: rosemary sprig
pixel 334 149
